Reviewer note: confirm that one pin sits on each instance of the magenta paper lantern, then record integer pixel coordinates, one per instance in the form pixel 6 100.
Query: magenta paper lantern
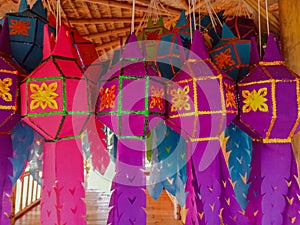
pixel 202 102
pixel 269 112
pixel 56 103
pixel 130 103
pixel 131 97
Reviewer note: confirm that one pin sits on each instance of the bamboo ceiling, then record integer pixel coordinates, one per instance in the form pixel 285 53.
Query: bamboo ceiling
pixel 105 21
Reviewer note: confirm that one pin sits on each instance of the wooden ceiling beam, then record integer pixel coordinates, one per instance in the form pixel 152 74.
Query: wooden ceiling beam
pixel 123 5
pixel 108 33
pixel 108 45
pixel 104 20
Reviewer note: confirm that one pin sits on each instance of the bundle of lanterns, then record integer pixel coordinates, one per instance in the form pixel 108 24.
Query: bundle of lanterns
pixel 198 100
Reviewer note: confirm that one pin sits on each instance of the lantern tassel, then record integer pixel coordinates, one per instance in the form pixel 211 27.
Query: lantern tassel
pixel 215 189
pixel 63 191
pixel 128 199
pixel 279 188
pixel 6 171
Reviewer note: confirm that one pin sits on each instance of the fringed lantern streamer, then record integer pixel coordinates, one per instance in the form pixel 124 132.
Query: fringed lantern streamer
pixel 10 75
pixel 202 104
pixel 263 93
pixel 168 170
pixel 26 34
pixel 58 91
pixel 130 103
pixel 231 54
pixel 239 156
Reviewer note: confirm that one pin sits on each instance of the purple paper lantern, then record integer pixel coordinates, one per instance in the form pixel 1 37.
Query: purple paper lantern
pixel 269 112
pixel 10 75
pixel 270 92
pixel 202 103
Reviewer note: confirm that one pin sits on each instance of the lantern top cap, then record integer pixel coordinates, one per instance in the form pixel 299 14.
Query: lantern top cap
pixel 226 32
pixel 4 38
pixel 132 49
pixel 63 45
pixel 198 48
pixel 37 8
pixel 150 22
pixel 23 5
pixel 160 21
pixel 272 52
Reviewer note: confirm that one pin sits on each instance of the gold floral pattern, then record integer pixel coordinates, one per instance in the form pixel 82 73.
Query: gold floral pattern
pixel 255 100
pixel 5 89
pixel 107 98
pixel 19 27
pixel 224 59
pixel 180 99
pixel 157 98
pixel 229 96
pixel 43 96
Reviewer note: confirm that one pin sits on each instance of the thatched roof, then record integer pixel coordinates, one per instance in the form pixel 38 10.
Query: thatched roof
pixel 105 21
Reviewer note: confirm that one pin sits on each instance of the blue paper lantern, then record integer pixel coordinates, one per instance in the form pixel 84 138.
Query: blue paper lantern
pixel 26 29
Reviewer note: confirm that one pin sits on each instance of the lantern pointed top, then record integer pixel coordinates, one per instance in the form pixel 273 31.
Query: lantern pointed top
pixel 47 45
pixel 23 5
pixel 254 57
pixel 160 21
pixel 198 48
pixel 272 52
pixel 150 22
pixel 182 20
pixel 63 45
pixel 226 32
pixel 39 9
pixel 4 38
pixel 132 49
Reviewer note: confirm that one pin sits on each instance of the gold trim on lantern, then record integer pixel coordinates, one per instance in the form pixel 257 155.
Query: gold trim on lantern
pixel 274 109
pixel 264 82
pixel 12 107
pixel 273 63
pixel 204 139
pixel 273 140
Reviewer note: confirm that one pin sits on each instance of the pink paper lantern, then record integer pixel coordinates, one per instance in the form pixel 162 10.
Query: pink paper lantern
pixel 52 92
pixel 56 103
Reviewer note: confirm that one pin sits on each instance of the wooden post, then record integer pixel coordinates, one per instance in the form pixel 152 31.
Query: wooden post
pixel 290 39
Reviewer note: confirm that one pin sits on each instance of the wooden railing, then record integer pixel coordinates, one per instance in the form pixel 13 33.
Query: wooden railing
pixel 26 195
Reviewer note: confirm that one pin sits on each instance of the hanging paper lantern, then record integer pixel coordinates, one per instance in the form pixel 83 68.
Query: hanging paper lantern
pixel 269 112
pixel 10 75
pixel 168 60
pixel 231 54
pixel 242 27
pixel 26 34
pixel 152 34
pixel 202 104
pixel 130 103
pixel 56 103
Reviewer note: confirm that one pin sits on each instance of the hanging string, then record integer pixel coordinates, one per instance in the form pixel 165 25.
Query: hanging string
pixel 259 27
pixel 132 18
pixel 212 19
pixel 267 17
pixel 199 15
pixel 194 14
pixel 190 18
pixel 58 17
